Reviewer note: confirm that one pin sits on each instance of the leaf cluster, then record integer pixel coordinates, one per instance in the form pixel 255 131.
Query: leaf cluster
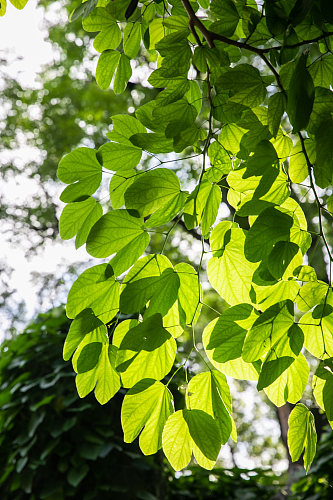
pixel 54 445
pixel 260 126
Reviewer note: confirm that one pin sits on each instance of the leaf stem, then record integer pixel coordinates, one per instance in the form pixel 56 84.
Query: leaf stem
pixel 313 187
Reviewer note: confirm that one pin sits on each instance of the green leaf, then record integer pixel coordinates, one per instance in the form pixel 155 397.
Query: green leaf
pixel 154 142
pixel 145 351
pixel 268 293
pixel 3 8
pixel 168 211
pixel 272 369
pixel 78 218
pixel 114 231
pixel 298 168
pixel 211 207
pixel 176 22
pixel 298 230
pixel 259 183
pixel 230 137
pixel 324 154
pixel 173 92
pixel 271 226
pixel 119 184
pixel 220 161
pixel 245 85
pixel 209 392
pixel 321 71
pixel 311 294
pixel 329 204
pixel 129 254
pixel 96 290
pixel 226 339
pixel 123 74
pixel 229 271
pixel 146 407
pixel 95 359
pixel 305 273
pixel 77 474
pixel 106 66
pixel 317 326
pixel 98 20
pixel 226 11
pixel 300 96
pixel 271 325
pixel 132 39
pixel 291 383
pixel 82 171
pixel 160 79
pixel 188 293
pixel 108 38
pixel 176 53
pixel 276 108
pixel 152 190
pixel 284 259
pixel 146 278
pixel 302 435
pixel 188 431
pixel 180 113
pixel 84 323
pixel 236 368
pixel 124 126
pixel 202 206
pixel 322 385
pixel 19 4
pixel 119 157
pixel 89 356
pixel 103 378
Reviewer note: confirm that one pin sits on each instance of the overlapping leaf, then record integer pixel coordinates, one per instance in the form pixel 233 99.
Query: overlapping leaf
pixel 117 231
pixel 78 219
pixel 146 407
pixel 82 171
pixel 94 363
pixel 145 350
pixel 187 432
pixel 96 289
pixel 209 392
pixel 302 435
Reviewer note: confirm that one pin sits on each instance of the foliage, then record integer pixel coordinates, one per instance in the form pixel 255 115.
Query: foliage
pixel 318 483
pixel 52 444
pixel 56 446
pixel 245 89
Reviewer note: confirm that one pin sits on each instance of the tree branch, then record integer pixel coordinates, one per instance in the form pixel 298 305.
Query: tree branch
pixel 299 44
pixel 210 36
pixel 310 170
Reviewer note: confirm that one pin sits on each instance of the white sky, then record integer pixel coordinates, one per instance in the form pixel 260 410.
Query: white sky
pixel 21 37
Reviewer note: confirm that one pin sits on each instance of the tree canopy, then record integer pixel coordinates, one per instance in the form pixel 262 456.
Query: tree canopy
pixel 243 91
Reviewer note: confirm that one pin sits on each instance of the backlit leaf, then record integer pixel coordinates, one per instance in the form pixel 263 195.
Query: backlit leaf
pixel 82 171
pixel 146 407
pixel 97 290
pixel 188 431
pixel 114 231
pixel 302 435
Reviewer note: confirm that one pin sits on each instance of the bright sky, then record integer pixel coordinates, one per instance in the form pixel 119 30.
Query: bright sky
pixel 21 37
